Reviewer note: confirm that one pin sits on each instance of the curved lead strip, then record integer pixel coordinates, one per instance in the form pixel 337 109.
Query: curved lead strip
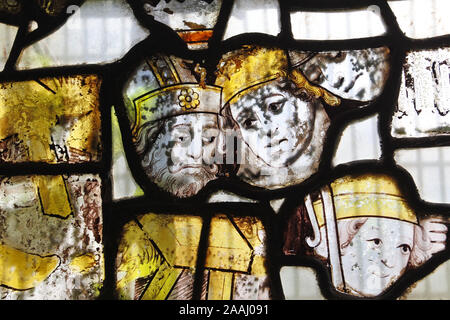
pixel 315 240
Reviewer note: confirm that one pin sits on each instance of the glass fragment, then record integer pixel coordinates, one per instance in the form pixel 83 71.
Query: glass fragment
pixel 224 196
pixel 193 21
pixel 337 25
pixel 7 36
pixel 50 120
pixel 282 136
pixel 158 255
pixel 432 287
pixel 420 19
pixel 423 102
pixel 197 14
pixel 124 185
pixel 300 283
pixel 254 16
pixel 359 141
pixel 357 74
pixel 98 32
pixel 430 170
pixel 365 231
pixel 174 122
pixel 51 237
pixel 239 126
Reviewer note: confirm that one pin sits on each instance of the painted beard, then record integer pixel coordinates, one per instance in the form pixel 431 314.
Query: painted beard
pixel 185 182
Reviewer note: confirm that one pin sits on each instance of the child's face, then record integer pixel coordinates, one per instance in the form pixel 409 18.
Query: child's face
pixel 377 255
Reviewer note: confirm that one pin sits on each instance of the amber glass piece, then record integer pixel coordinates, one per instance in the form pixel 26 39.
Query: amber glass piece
pixel 50 120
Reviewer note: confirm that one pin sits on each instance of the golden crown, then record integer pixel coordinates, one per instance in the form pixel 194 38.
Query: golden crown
pixel 174 91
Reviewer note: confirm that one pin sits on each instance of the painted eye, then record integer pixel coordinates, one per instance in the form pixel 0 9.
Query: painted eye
pixel 405 248
pixel 248 123
pixel 304 96
pixel 210 139
pixel 275 106
pixel 182 138
pixel 377 242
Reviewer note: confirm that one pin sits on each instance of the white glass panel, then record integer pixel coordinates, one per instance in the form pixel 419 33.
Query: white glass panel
pixel 99 31
pixel 434 286
pixel 424 98
pixel 300 283
pixel 336 25
pixel 225 196
pixel 254 16
pixel 420 19
pixel 124 185
pixel 359 141
pixel 430 171
pixel 7 36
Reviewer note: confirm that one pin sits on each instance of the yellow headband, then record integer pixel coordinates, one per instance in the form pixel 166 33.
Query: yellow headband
pixel 172 90
pixel 252 67
pixel 367 196
pixel 176 100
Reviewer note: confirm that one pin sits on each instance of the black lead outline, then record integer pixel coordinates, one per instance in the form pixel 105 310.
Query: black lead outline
pixel 164 40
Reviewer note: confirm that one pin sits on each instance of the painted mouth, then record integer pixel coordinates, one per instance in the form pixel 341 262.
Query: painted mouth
pixel 276 143
pixel 378 275
pixel 187 166
pixel 196 167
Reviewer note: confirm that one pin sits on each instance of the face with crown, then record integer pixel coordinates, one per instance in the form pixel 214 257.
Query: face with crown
pixel 181 158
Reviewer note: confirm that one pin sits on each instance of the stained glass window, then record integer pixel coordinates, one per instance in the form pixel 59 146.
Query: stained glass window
pixel 224 150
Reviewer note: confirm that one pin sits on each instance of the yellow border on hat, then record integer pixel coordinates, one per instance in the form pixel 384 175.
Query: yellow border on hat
pixel 251 67
pixel 367 205
pixel 300 81
pixel 367 195
pixel 201 108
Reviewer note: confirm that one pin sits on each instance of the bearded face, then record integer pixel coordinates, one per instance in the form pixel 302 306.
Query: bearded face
pixel 181 160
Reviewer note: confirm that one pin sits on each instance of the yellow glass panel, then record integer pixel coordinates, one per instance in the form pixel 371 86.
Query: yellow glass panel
pixel 83 263
pixel 162 283
pixel 177 237
pixel 227 249
pixel 220 285
pixel 53 195
pixel 22 271
pixel 52 111
pixel 137 258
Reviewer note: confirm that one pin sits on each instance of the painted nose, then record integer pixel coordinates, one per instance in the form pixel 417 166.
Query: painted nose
pixel 387 262
pixel 195 149
pixel 271 131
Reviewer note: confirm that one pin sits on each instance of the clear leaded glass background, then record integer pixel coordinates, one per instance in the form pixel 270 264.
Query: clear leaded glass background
pixel 208 149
